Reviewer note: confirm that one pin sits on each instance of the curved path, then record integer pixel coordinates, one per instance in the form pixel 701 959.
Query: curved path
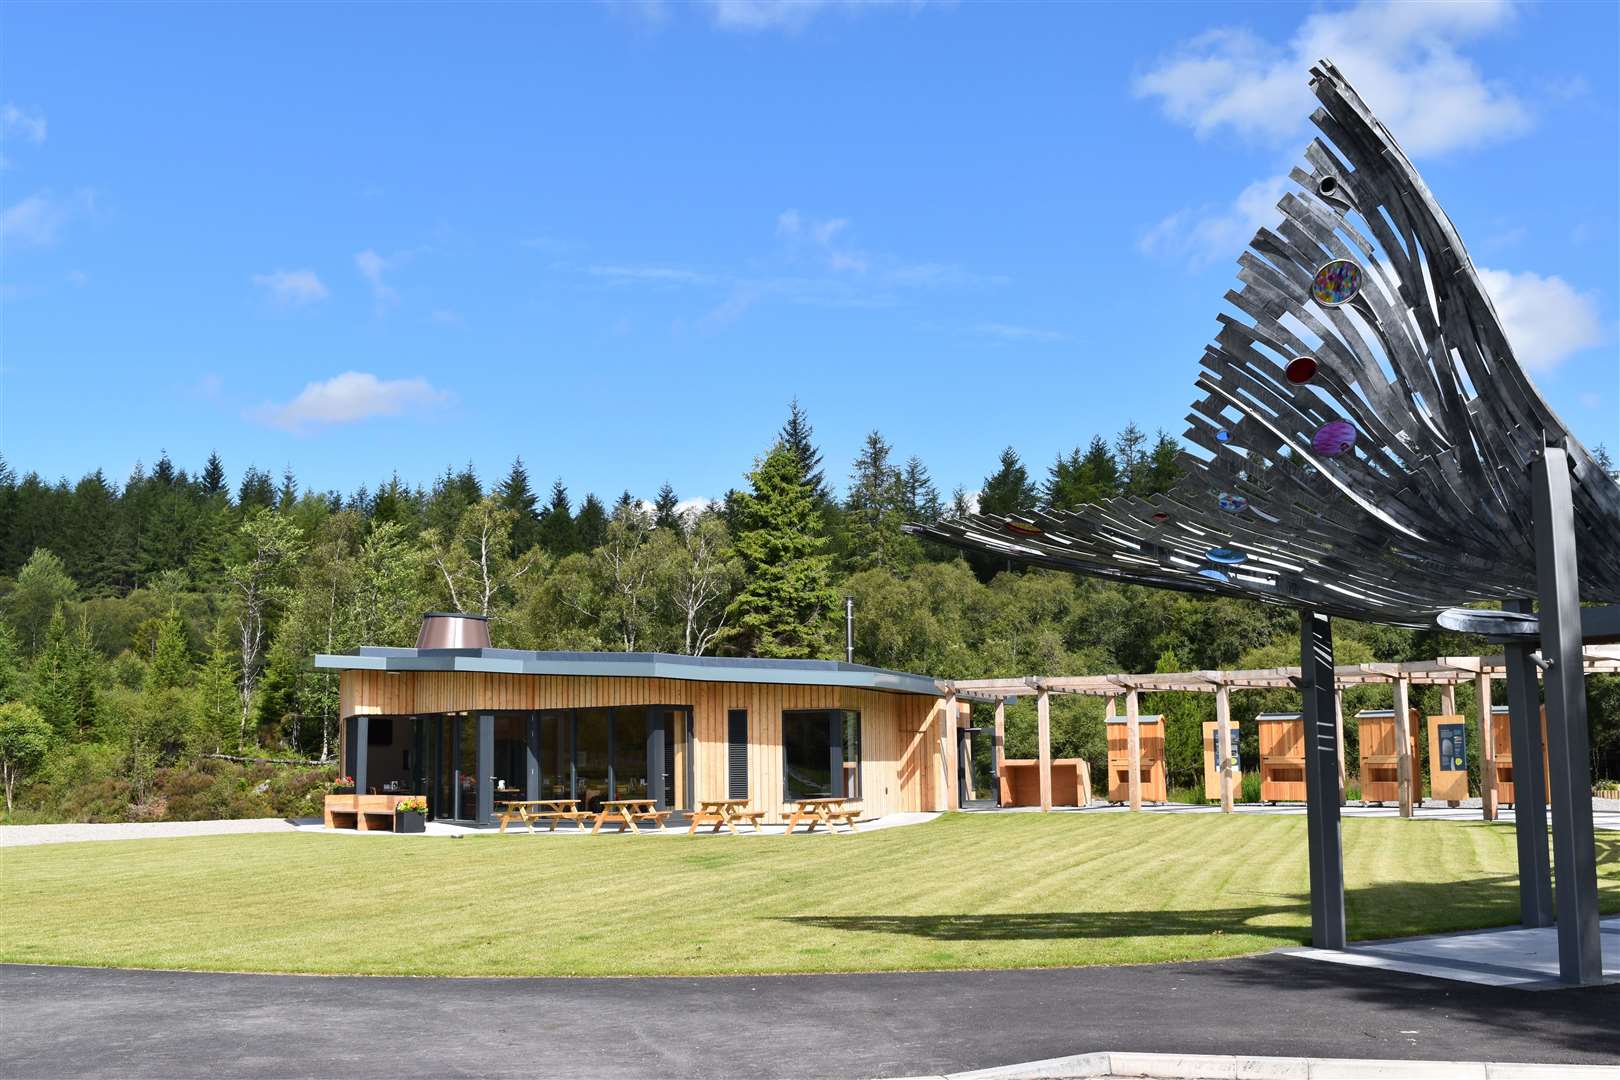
pixel 60 1022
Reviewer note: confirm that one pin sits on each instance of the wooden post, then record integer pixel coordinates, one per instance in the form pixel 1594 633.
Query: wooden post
pixel 997 752
pixel 1223 744
pixel 1487 748
pixel 1403 743
pixel 953 793
pixel 1043 732
pixel 1133 733
pixel 1338 729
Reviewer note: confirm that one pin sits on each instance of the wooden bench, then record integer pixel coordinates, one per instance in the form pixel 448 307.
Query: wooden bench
pixel 725 812
pixel 529 811
pixel 626 812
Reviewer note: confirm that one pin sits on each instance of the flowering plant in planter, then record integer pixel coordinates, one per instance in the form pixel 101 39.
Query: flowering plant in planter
pixel 343 785
pixel 410 815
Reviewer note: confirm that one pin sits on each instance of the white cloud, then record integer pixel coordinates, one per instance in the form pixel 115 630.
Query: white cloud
pixel 293 288
pixel 371 266
pixel 670 275
pixel 1545 318
pixel 789 15
pixel 1211 233
pixel 1011 332
pixel 446 317
pixel 1401 57
pixel 822 239
pixel 351 396
pixel 21 121
pixel 36 220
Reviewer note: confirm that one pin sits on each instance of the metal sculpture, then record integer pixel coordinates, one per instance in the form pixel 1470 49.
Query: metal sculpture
pixel 1367 445
pixel 1365 431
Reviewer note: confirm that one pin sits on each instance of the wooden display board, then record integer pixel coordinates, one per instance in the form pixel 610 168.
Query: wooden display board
pixel 1021 782
pixel 1282 757
pixel 1212 772
pixel 1504 754
pixel 1151 736
pixel 1448 758
pixel 1380 757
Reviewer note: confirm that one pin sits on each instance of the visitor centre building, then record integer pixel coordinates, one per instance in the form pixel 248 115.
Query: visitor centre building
pixel 470 727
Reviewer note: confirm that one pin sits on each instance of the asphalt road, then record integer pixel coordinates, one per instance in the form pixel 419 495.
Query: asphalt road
pixel 80 1022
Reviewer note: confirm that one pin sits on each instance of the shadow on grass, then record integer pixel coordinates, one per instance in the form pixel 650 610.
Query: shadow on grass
pixel 1072 925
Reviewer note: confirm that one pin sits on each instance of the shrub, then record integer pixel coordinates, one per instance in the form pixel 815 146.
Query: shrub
pixel 1251 787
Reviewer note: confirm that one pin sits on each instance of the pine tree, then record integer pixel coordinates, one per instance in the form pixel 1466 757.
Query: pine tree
pixel 287 497
pixel 217 703
pixel 516 496
pixel 1063 481
pixel 558 534
pixel 256 490
pixel 785 606
pixel 66 678
pixel 213 477
pixel 452 494
pixel 163 471
pixel 1162 470
pixel 666 510
pixel 591 524
pixel 875 510
pixel 171 659
pixel 921 497
pixel 799 437
pixel 1129 449
pixel 1099 472
pixel 1008 490
pixel 11 684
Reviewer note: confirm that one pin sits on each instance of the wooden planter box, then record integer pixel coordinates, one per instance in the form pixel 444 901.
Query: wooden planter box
pixel 367 813
pixel 1380 756
pixel 1021 782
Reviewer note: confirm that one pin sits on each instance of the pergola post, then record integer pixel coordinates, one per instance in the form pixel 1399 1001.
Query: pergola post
pixel 1487 748
pixel 1223 744
pixel 997 750
pixel 1321 769
pixel 1580 948
pixel 1529 784
pixel 1338 736
pixel 953 791
pixel 1404 773
pixel 1133 735
pixel 1448 699
pixel 1043 733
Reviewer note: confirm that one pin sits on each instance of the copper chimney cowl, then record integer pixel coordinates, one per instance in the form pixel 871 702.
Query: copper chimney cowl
pixel 453 630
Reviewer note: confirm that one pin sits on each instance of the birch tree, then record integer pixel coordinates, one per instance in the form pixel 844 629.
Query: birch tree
pixel 272 546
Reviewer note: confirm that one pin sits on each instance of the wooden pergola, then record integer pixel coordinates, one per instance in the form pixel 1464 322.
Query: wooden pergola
pixel 1446 672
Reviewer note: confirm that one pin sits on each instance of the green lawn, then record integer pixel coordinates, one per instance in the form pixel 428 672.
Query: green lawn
pixel 965 891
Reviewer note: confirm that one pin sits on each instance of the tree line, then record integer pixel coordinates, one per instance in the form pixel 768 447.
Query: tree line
pixel 170 620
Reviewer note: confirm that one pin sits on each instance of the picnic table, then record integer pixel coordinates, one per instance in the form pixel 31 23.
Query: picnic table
pixel 727 812
pixel 823 812
pixel 626 812
pixel 529 811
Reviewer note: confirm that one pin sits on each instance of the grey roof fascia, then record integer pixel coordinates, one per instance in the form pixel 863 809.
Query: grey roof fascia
pixel 633 665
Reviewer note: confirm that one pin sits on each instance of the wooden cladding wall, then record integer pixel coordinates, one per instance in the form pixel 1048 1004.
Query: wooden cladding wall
pixel 899 738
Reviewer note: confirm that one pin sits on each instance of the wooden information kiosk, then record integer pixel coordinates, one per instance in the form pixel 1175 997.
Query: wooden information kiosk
pixel 1380 757
pixel 1448 758
pixel 1282 757
pixel 1151 735
pixel 1212 759
pixel 1504 754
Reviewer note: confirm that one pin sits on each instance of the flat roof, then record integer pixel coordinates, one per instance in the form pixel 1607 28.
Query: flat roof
pixel 640 665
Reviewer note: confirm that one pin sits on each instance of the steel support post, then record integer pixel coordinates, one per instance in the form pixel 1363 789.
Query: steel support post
pixel 1580 948
pixel 1322 781
pixel 486 764
pixel 1529 784
pixel 362 746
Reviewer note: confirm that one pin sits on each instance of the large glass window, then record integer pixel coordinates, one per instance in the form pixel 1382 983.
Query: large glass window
pixel 821 754
pixel 630 753
pixel 591 757
pixel 510 772
pixel 466 767
pixel 556 755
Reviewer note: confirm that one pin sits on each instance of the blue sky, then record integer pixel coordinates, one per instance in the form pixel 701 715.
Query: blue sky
pixel 617 238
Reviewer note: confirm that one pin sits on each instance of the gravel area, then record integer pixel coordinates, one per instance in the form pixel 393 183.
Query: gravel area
pixel 26 835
